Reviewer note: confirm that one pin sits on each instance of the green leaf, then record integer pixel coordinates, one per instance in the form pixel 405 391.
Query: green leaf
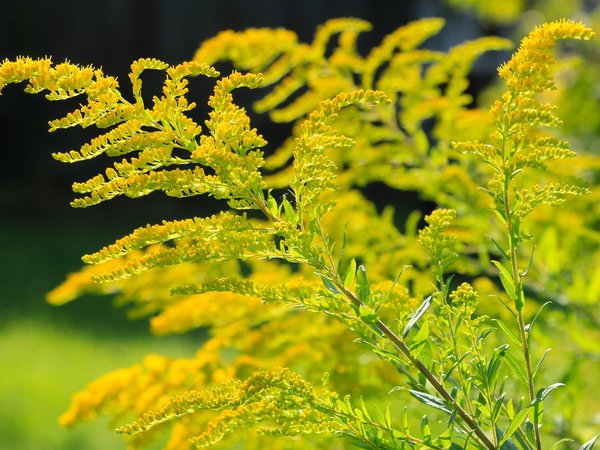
pixel 272 205
pixel 421 141
pixel 558 445
pixel 343 250
pixel 484 334
pixel 506 280
pixel 417 315
pixel 516 367
pixel 363 289
pixel 349 407
pixel 387 417
pixel 329 285
pixel 589 444
pixel 313 226
pixel 520 302
pixel 364 409
pixel 444 440
pixel 515 424
pixel 430 400
pixel 516 172
pixel 367 314
pixel 357 441
pixel 499 214
pixel 290 213
pixel 411 224
pixel 494 364
pixel 350 273
pixel 359 415
pixel 404 420
pixel 454 366
pixel 509 445
pixel 420 341
pixel 529 264
pixel 498 407
pixel 510 410
pixel 390 356
pixel 530 325
pixel 516 231
pixel 426 354
pixel 513 337
pixel 538 365
pixel 530 430
pixel 425 430
pixel 543 393
pixel 501 250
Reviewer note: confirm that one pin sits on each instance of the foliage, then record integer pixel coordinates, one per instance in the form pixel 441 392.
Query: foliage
pixel 299 274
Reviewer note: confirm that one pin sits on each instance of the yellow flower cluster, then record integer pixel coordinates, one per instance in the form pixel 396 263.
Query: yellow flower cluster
pixel 313 171
pixel 275 396
pixel 528 71
pixel 439 245
pixel 516 143
pixel 64 80
pixel 464 296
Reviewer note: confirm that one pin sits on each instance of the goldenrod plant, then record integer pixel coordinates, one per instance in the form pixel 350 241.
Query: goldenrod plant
pixel 330 324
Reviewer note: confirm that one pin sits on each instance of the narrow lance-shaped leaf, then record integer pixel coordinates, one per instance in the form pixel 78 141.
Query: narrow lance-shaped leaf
pixel 343 249
pixel 516 367
pixel 444 440
pixel 363 290
pixel 540 362
pixel 330 285
pixel 506 280
pixel 560 444
pixel 543 393
pixel 530 430
pixel 529 326
pixel 500 249
pixel 350 274
pixel 430 400
pixel 513 337
pixel 510 445
pixel 515 424
pixel 494 364
pixel 589 444
pixel 417 315
pixel 425 430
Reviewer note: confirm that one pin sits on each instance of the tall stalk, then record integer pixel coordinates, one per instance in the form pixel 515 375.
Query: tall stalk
pixel 511 223
pixel 404 349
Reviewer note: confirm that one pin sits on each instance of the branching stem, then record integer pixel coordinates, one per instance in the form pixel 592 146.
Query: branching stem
pixel 399 343
pixel 440 389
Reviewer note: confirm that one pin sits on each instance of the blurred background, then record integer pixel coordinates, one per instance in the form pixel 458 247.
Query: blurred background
pixel 47 353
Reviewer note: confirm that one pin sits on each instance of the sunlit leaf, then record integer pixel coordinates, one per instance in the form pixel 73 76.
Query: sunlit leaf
pixel 417 315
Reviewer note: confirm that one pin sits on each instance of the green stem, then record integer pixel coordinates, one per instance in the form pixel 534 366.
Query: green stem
pixel 454 339
pixel 530 381
pixel 405 350
pixel 513 243
pixel 485 390
pixel 440 389
pixel 455 349
pixel 395 340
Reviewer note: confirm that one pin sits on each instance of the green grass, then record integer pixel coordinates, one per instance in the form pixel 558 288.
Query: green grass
pixel 46 353
pixel 42 365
